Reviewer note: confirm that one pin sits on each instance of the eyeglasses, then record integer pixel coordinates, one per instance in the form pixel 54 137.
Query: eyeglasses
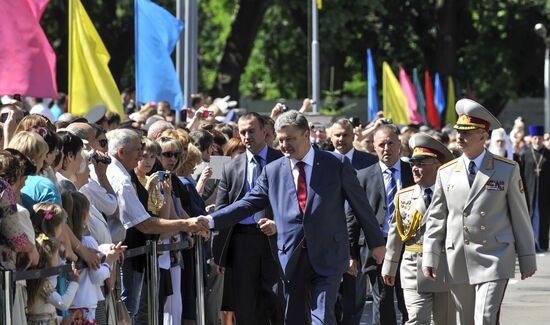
pixel 103 143
pixel 170 154
pixel 420 163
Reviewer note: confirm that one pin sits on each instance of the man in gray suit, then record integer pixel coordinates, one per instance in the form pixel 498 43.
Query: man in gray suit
pixel 307 189
pixel 352 298
pixel 479 218
pixel 381 181
pixel 422 296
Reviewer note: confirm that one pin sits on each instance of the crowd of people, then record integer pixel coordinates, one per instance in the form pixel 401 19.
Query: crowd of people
pixel 81 191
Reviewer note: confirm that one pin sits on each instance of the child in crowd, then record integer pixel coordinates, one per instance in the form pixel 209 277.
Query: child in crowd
pixel 84 305
pixel 43 300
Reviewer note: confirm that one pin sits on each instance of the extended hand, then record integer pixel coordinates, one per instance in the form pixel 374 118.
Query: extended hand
pixel 389 280
pixel 429 272
pixel 378 253
pixel 528 274
pixel 353 267
pixel 267 226
pixel 196 225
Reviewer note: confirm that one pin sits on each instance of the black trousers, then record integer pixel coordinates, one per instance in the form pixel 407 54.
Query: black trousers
pixel 255 274
pixel 383 298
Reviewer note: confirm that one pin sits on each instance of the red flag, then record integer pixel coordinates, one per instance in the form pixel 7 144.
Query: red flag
pixel 431 111
pixel 27 60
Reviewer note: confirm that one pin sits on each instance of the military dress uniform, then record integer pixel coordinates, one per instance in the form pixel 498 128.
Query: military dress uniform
pixel 480 227
pixel 423 296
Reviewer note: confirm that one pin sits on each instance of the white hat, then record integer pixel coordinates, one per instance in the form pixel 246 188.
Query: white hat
pixel 42 109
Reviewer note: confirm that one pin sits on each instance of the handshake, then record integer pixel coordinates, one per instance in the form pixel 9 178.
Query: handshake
pixel 201 227
pixel 198 225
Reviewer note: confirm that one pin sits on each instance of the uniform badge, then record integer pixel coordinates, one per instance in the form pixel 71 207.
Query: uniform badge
pixel 521 189
pixel 494 185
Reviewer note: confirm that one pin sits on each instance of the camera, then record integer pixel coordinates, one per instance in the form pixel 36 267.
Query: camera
pixel 206 114
pixel 97 158
pixel 162 176
pixel 387 121
pixel 355 121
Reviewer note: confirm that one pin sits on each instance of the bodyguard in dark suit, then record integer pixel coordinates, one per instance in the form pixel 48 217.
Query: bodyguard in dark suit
pixel 381 181
pixel 244 247
pixel 352 301
pixel 307 189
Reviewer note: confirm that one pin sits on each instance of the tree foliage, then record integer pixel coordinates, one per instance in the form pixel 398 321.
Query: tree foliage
pixel 488 45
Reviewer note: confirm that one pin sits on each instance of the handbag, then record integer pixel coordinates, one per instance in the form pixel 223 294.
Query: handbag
pixel 117 313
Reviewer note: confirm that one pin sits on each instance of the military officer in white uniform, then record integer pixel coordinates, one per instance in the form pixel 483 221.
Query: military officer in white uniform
pixel 479 218
pixel 422 295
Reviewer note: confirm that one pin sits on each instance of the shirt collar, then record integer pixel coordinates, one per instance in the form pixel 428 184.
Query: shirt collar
pixel 349 154
pixel 262 153
pixel 430 187
pixel 119 165
pixel 396 166
pixel 477 160
pixel 308 158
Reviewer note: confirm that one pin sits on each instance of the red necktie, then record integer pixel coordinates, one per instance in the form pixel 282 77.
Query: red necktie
pixel 302 189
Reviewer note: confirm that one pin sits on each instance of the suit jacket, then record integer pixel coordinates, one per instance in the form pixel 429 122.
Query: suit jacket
pixel 323 224
pixel 408 202
pixel 372 182
pixel 361 159
pixel 232 187
pixel 480 228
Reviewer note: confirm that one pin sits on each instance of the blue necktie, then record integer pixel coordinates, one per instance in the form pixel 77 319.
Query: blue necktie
pixel 255 173
pixel 257 170
pixel 390 196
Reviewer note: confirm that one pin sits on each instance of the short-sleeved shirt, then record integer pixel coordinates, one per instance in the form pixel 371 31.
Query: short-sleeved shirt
pixel 131 211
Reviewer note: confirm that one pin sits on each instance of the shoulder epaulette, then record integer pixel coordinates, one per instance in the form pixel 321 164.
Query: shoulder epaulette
pixel 406 189
pixel 448 163
pixel 508 161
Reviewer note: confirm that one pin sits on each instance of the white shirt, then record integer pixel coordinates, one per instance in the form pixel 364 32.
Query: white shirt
pixel 349 154
pixel 397 173
pixel 131 211
pixel 91 280
pixel 308 167
pixel 99 197
pixel 477 160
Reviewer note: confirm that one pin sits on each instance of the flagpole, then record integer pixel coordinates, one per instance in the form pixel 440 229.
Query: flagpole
pixel 180 59
pixel 315 65
pixel 186 53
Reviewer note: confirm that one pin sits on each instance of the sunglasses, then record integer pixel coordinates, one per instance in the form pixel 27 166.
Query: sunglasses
pixel 170 154
pixel 103 143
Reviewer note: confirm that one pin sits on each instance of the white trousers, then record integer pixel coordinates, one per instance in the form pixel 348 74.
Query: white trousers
pixel 421 306
pixel 479 304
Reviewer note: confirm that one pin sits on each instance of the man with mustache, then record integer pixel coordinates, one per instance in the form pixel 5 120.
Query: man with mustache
pixel 479 218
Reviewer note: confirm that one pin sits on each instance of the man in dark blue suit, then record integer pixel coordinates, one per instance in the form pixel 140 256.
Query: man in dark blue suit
pixel 352 299
pixel 307 189
pixel 243 247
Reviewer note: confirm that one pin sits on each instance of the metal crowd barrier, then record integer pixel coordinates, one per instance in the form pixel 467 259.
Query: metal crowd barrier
pixel 150 250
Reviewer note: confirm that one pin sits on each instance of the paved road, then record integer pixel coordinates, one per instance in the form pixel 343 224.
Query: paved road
pixel 528 302
pixel 525 303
